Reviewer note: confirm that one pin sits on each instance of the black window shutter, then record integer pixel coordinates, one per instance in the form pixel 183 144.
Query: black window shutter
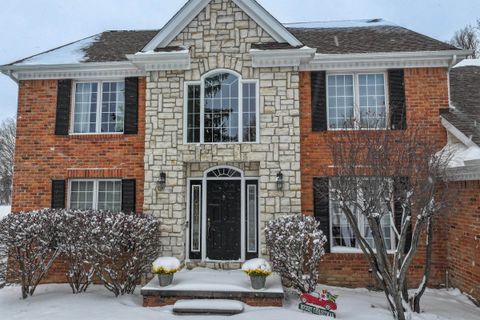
pixel 62 119
pixel 131 106
pixel 58 194
pixel 321 195
pixel 398 108
pixel 400 183
pixel 128 196
pixel 319 101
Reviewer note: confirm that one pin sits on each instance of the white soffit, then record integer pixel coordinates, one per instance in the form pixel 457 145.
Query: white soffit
pixel 193 7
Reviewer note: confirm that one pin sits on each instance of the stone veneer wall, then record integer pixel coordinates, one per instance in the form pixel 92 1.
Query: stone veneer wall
pixel 220 37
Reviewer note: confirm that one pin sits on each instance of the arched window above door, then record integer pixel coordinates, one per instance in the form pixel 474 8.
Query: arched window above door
pixel 224 173
pixel 221 108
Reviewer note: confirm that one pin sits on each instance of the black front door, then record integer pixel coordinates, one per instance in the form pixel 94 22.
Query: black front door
pixel 223 220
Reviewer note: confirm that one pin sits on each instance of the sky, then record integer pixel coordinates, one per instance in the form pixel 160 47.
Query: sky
pixel 28 27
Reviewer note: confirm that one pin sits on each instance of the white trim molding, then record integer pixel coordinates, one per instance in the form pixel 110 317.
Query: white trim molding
pixel 457 133
pixel 160 61
pixel 90 71
pixel 467 173
pixel 193 7
pixel 282 58
pixel 390 60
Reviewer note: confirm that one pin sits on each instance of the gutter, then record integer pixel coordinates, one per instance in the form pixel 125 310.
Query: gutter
pixel 9 74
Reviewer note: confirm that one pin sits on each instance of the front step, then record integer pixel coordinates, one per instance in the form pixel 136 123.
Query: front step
pixel 202 306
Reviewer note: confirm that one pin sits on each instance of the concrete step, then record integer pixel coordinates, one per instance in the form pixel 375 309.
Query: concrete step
pixel 210 306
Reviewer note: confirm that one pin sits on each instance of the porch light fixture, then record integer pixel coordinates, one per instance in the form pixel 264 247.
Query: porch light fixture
pixel 162 182
pixel 280 181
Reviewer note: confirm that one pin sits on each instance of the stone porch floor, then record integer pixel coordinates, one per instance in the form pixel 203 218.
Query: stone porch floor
pixel 213 284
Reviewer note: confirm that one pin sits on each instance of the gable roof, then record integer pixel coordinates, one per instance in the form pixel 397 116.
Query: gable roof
pixel 360 36
pixel 465 98
pixel 109 46
pixel 193 7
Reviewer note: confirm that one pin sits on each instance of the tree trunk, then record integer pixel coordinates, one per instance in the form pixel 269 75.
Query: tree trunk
pixel 428 263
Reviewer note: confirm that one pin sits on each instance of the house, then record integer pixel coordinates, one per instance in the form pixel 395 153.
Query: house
pixel 217 123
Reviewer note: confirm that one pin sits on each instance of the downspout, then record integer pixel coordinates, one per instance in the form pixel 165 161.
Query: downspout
pixel 450 66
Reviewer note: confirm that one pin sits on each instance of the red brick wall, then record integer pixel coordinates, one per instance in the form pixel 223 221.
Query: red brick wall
pixel 426 93
pixel 463 239
pixel 41 156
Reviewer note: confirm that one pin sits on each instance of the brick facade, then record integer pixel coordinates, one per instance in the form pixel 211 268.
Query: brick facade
pixel 41 156
pixel 426 91
pixel 463 239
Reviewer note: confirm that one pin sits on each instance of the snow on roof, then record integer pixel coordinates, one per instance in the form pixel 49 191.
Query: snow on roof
pixel 468 63
pixel 340 24
pixel 461 155
pixel 68 54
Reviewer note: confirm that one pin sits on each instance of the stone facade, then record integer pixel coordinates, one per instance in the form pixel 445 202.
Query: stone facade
pixel 220 37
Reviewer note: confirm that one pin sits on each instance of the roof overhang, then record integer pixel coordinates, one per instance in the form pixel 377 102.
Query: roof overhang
pixel 365 61
pixel 282 58
pixel 193 7
pixel 73 71
pixel 158 61
pixel 460 136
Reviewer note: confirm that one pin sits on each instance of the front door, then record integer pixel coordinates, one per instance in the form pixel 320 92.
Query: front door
pixel 224 220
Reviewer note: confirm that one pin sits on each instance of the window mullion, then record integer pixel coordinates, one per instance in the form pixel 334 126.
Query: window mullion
pixel 356 99
pixel 240 111
pixel 95 195
pixel 99 107
pixel 202 111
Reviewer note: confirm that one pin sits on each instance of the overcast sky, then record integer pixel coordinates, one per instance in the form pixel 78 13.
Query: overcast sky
pixel 28 27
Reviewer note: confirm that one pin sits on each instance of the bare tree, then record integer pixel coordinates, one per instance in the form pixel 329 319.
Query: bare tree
pixel 7 151
pixel 388 184
pixel 467 38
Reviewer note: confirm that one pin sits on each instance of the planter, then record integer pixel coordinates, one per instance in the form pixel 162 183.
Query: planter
pixel 165 279
pixel 258 282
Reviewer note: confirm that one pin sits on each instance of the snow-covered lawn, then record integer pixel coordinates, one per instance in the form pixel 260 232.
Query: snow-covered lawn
pixel 55 302
pixel 4 210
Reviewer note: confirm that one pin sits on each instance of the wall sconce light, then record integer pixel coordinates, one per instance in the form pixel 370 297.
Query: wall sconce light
pixel 162 182
pixel 280 181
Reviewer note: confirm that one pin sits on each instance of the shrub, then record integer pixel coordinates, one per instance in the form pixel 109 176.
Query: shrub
pixel 3 256
pixel 295 244
pixel 123 247
pixel 30 239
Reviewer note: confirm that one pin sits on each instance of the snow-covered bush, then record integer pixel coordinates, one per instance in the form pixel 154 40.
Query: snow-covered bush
pixel 74 243
pixel 31 242
pixel 3 256
pixel 295 244
pixel 257 267
pixel 122 247
pixel 166 265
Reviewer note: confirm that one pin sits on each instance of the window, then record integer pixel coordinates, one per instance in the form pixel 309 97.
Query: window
pixel 252 218
pixel 99 107
pixel 344 237
pixel 357 101
pixel 96 195
pixel 196 209
pixel 222 108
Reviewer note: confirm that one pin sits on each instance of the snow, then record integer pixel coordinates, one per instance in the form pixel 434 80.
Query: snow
pixel 4 211
pixel 461 156
pixel 202 279
pixel 257 264
pixel 341 24
pixel 69 54
pixel 468 63
pixel 203 304
pixel 56 302
pixel 168 264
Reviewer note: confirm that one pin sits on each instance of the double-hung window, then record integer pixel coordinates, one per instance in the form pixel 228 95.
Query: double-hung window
pixel 343 237
pixel 222 108
pixel 99 107
pixel 357 101
pixel 95 194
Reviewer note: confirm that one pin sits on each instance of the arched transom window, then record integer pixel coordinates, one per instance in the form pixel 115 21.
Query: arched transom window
pixel 221 108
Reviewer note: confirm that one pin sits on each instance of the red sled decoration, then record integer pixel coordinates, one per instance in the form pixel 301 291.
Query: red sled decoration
pixel 325 300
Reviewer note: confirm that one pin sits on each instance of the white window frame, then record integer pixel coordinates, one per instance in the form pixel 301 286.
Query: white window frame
pixel 96 183
pixel 255 216
pixel 361 226
pixel 98 124
pixel 201 83
pixel 356 99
